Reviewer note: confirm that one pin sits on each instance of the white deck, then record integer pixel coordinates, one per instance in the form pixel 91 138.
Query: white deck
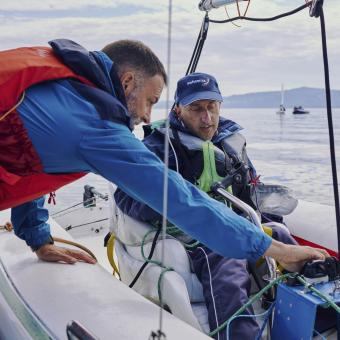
pixel 58 293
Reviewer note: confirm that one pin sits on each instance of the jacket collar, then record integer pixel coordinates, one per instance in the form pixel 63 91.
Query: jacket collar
pixel 94 66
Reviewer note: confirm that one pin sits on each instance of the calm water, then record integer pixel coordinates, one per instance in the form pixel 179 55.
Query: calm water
pixel 289 149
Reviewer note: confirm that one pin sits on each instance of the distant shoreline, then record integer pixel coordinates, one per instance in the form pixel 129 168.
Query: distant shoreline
pixel 305 96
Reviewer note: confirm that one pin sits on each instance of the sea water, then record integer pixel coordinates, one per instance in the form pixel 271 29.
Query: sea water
pixel 287 149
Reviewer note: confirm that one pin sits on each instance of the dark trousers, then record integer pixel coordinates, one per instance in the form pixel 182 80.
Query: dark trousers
pixel 226 286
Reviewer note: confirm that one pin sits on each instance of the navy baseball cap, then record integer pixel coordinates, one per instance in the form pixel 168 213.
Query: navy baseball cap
pixel 197 86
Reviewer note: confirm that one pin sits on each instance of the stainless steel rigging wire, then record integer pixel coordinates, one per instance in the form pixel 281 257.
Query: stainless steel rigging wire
pixel 160 334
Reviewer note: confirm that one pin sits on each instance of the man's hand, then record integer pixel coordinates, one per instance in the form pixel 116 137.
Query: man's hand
pixel 52 253
pixel 292 257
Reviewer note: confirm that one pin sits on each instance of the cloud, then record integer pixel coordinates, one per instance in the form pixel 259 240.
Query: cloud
pixel 38 5
pixel 256 56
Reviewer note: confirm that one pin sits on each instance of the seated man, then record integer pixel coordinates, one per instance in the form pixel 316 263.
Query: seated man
pixel 205 148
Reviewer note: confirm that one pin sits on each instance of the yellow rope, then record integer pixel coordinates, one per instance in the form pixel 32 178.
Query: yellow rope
pixel 110 254
pixel 13 108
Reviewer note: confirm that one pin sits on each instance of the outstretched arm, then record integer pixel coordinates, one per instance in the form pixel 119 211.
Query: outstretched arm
pixel 113 152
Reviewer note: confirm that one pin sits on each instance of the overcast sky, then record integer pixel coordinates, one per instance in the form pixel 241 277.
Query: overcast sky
pixel 257 56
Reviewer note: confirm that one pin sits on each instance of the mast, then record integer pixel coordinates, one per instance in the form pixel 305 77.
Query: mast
pixel 282 94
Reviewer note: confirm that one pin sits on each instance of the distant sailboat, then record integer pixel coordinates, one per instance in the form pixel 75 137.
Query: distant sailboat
pixel 282 109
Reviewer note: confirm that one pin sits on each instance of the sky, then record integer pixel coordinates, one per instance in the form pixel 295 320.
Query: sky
pixel 257 56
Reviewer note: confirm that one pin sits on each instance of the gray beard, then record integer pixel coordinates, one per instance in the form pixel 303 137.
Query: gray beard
pixel 131 104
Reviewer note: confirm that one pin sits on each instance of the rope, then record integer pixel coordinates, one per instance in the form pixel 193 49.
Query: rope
pixel 157 263
pixel 246 10
pixel 159 284
pixel 257 296
pixel 89 200
pixel 242 17
pixel 81 225
pixel 226 11
pixel 264 290
pixel 320 335
pixel 75 244
pixel 267 317
pixel 319 294
pixel 110 254
pixel 238 8
pixel 8 226
pixel 13 108
pixel 154 242
pixel 266 314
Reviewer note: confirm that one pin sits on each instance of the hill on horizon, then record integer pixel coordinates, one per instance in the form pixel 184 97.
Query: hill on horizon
pixel 304 96
pixel 307 97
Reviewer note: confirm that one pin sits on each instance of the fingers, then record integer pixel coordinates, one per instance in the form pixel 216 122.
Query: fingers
pixel 81 256
pixel 293 257
pixel 52 253
pixel 318 254
pixel 302 255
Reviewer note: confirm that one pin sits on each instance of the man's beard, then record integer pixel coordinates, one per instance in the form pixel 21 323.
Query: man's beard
pixel 131 100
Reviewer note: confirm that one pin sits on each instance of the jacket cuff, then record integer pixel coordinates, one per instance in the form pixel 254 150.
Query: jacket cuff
pixel 49 240
pixel 261 248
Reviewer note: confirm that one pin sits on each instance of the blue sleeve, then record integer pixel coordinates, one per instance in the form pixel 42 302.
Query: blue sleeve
pixel 135 209
pixel 127 204
pixel 30 222
pixel 113 152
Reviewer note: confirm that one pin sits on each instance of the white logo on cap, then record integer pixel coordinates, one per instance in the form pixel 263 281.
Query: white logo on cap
pixel 204 82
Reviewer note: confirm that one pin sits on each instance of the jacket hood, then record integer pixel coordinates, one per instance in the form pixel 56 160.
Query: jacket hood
pixel 95 66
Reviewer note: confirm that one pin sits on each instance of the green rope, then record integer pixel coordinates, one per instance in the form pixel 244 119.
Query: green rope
pixel 257 296
pixel 265 289
pixel 159 283
pixel 254 298
pixel 157 263
pixel 319 294
pixel 172 230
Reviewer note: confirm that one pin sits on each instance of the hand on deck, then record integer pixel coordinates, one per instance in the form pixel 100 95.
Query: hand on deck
pixel 293 257
pixel 52 253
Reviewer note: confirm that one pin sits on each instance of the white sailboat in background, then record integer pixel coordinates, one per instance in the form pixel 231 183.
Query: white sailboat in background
pixel 282 109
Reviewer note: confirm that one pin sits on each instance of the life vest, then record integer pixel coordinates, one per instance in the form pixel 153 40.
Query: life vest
pixel 205 163
pixel 21 172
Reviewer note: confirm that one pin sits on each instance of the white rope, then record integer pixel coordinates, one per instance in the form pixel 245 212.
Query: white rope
pixel 211 290
pixel 166 153
pixel 175 155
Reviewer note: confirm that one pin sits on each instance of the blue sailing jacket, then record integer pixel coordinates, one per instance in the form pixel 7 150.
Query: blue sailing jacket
pixel 74 127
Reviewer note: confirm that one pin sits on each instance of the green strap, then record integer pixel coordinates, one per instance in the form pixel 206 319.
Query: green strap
pixel 157 124
pixel 207 178
pixel 209 174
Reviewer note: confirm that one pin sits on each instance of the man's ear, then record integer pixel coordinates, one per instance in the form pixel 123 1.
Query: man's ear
pixel 128 82
pixel 177 110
